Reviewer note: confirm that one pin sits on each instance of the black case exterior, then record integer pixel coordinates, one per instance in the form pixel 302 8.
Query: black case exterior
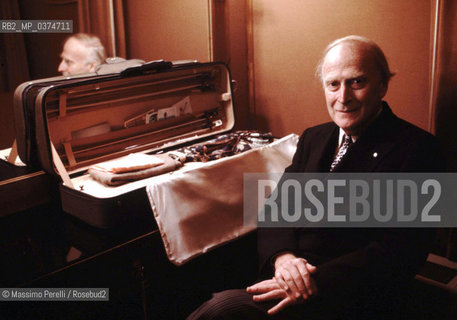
pixel 107 212
pixel 23 184
pixel 24 115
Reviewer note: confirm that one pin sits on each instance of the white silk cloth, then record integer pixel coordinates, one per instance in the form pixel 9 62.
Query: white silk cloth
pixel 200 209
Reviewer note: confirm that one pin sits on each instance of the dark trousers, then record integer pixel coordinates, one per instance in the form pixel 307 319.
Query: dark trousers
pixel 238 304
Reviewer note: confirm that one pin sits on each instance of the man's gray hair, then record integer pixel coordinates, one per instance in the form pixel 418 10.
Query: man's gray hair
pixel 96 52
pixel 380 59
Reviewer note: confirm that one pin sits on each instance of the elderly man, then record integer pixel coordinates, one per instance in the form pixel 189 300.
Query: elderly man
pixel 81 53
pixel 341 273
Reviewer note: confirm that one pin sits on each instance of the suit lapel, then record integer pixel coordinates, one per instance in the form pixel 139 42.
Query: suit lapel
pixel 323 150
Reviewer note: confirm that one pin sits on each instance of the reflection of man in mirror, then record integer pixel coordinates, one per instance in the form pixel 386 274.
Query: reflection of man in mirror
pixel 81 53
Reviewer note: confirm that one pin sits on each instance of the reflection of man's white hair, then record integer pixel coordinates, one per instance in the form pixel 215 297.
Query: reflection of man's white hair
pixel 96 51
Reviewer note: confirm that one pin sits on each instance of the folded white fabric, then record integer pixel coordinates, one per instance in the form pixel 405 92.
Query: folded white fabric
pixel 131 162
pixel 200 209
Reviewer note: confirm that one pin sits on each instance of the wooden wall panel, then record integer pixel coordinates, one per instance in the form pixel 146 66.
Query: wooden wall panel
pixel 237 59
pixel 170 30
pixel 289 36
pixel 446 84
pixel 104 18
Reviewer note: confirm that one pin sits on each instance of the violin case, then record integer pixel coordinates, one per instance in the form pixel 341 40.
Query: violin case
pixel 66 125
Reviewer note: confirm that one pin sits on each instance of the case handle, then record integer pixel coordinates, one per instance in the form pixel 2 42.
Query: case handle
pixel 148 67
pixel 117 65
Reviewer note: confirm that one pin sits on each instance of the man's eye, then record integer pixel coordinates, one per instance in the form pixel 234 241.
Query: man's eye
pixel 358 83
pixel 333 85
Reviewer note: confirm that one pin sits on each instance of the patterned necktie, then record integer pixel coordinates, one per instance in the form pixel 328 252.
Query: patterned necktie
pixel 347 141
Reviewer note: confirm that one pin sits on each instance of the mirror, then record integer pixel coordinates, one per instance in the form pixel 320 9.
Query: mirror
pixel 146 30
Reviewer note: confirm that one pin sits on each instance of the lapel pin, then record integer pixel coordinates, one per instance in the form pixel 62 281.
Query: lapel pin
pixel 375 155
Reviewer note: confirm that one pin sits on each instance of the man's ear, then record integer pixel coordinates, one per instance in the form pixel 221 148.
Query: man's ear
pixel 382 90
pixel 92 67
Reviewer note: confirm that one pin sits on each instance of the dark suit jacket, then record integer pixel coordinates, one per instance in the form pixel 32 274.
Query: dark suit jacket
pixel 354 264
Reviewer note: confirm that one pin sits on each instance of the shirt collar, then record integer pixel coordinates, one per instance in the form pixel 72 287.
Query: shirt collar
pixel 341 135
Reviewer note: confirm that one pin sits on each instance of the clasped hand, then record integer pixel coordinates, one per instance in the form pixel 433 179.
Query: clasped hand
pixel 292 283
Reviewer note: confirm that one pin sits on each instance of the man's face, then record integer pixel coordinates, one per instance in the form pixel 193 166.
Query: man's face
pixel 352 86
pixel 74 59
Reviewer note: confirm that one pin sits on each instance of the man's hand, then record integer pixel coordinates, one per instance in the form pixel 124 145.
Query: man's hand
pixel 270 290
pixel 291 284
pixel 294 276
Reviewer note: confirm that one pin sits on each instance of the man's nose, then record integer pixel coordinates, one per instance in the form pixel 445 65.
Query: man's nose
pixel 61 67
pixel 344 94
